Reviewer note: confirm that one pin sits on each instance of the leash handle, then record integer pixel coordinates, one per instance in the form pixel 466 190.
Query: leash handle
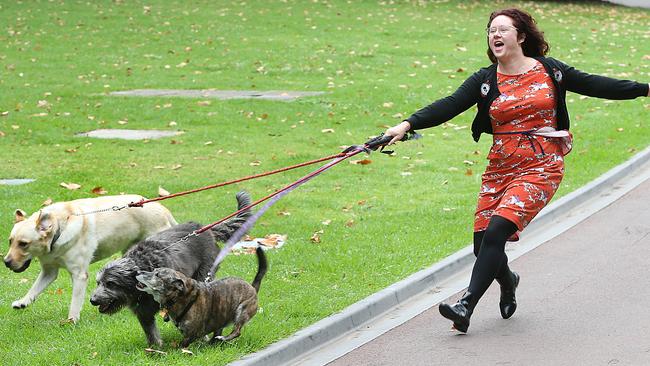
pixel 382 140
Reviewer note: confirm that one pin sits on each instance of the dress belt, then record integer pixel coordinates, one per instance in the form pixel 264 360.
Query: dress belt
pixel 544 132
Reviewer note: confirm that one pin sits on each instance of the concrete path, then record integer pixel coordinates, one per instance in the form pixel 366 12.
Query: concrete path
pixel 583 300
pixel 632 3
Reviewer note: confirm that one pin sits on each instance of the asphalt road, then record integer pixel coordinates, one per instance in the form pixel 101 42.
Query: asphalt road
pixel 583 300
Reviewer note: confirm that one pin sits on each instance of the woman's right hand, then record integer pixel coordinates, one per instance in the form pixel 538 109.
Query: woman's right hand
pixel 398 131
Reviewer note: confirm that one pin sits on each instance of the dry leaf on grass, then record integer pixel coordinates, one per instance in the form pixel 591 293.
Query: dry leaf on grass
pixel 315 238
pixel 99 190
pixel 162 192
pixel 272 240
pixel 151 350
pixel 187 351
pixel 327 130
pixel 361 162
pixel 47 202
pixel 70 186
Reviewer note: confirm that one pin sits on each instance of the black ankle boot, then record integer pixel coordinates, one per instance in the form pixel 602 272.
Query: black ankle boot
pixel 508 302
pixel 459 312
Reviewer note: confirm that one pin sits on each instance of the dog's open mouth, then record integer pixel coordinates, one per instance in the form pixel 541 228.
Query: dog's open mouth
pixel 140 286
pixel 103 308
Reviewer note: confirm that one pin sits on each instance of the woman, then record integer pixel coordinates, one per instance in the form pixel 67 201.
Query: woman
pixel 521 102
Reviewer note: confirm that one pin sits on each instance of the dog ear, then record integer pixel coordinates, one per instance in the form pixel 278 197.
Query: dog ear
pixel 20 215
pixel 44 223
pixel 179 285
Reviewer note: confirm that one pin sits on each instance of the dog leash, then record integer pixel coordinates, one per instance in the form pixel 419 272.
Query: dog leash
pixel 372 144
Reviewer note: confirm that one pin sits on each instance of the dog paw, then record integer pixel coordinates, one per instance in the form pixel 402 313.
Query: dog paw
pixel 20 304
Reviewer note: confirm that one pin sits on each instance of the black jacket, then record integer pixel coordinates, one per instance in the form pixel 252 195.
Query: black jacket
pixel 481 89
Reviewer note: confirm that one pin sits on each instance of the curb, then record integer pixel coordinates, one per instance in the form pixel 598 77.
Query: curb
pixel 326 330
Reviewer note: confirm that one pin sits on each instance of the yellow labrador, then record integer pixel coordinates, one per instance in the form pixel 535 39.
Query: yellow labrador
pixel 61 235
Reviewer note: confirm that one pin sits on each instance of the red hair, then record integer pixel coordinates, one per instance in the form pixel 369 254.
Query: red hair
pixel 534 44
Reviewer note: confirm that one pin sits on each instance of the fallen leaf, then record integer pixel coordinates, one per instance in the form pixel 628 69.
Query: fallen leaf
pixel 327 130
pixel 59 291
pixel 177 166
pixel 47 202
pixel 469 172
pixel 361 162
pixel 204 103
pixel 162 192
pixel 70 186
pixel 316 237
pixel 349 223
pixel 620 129
pixel 326 222
pixel 151 350
pixel 284 213
pixel 388 105
pixel 2 134
pixel 187 351
pixel 122 122
pixel 73 150
pixel 255 163
pixel 23 280
pixel 272 240
pixel 99 190
pixel 159 167
pixel 4 114
pixel 405 174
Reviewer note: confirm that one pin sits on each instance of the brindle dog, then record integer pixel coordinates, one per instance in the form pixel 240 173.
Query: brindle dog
pixel 199 308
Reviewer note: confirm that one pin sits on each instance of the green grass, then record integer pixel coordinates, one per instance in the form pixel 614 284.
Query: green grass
pixel 377 61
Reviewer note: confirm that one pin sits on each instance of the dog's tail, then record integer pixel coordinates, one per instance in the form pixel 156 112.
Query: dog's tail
pixel 262 266
pixel 225 230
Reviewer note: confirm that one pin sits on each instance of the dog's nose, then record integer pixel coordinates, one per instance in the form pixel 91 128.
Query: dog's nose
pixel 7 262
pixel 93 301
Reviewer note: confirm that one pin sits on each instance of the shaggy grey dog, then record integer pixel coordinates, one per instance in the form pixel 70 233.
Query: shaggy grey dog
pixel 116 282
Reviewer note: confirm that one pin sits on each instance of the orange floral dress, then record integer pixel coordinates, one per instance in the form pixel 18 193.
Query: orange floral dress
pixel 524 170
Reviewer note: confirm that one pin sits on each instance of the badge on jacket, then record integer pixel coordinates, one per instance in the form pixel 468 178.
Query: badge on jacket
pixel 485 88
pixel 557 74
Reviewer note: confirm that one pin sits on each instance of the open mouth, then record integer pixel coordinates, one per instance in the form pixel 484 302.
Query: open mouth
pixel 103 308
pixel 498 45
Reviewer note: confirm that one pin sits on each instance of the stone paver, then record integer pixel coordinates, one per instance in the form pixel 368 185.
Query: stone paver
pixel 15 181
pixel 218 94
pixel 128 134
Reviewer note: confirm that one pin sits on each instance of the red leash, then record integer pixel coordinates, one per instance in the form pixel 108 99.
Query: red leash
pixel 143 201
pixel 342 156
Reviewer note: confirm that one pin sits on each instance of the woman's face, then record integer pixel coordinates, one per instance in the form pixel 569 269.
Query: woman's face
pixel 502 38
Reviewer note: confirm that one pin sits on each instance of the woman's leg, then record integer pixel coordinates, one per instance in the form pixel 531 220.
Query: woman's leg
pixel 507 279
pixel 492 260
pixel 489 263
